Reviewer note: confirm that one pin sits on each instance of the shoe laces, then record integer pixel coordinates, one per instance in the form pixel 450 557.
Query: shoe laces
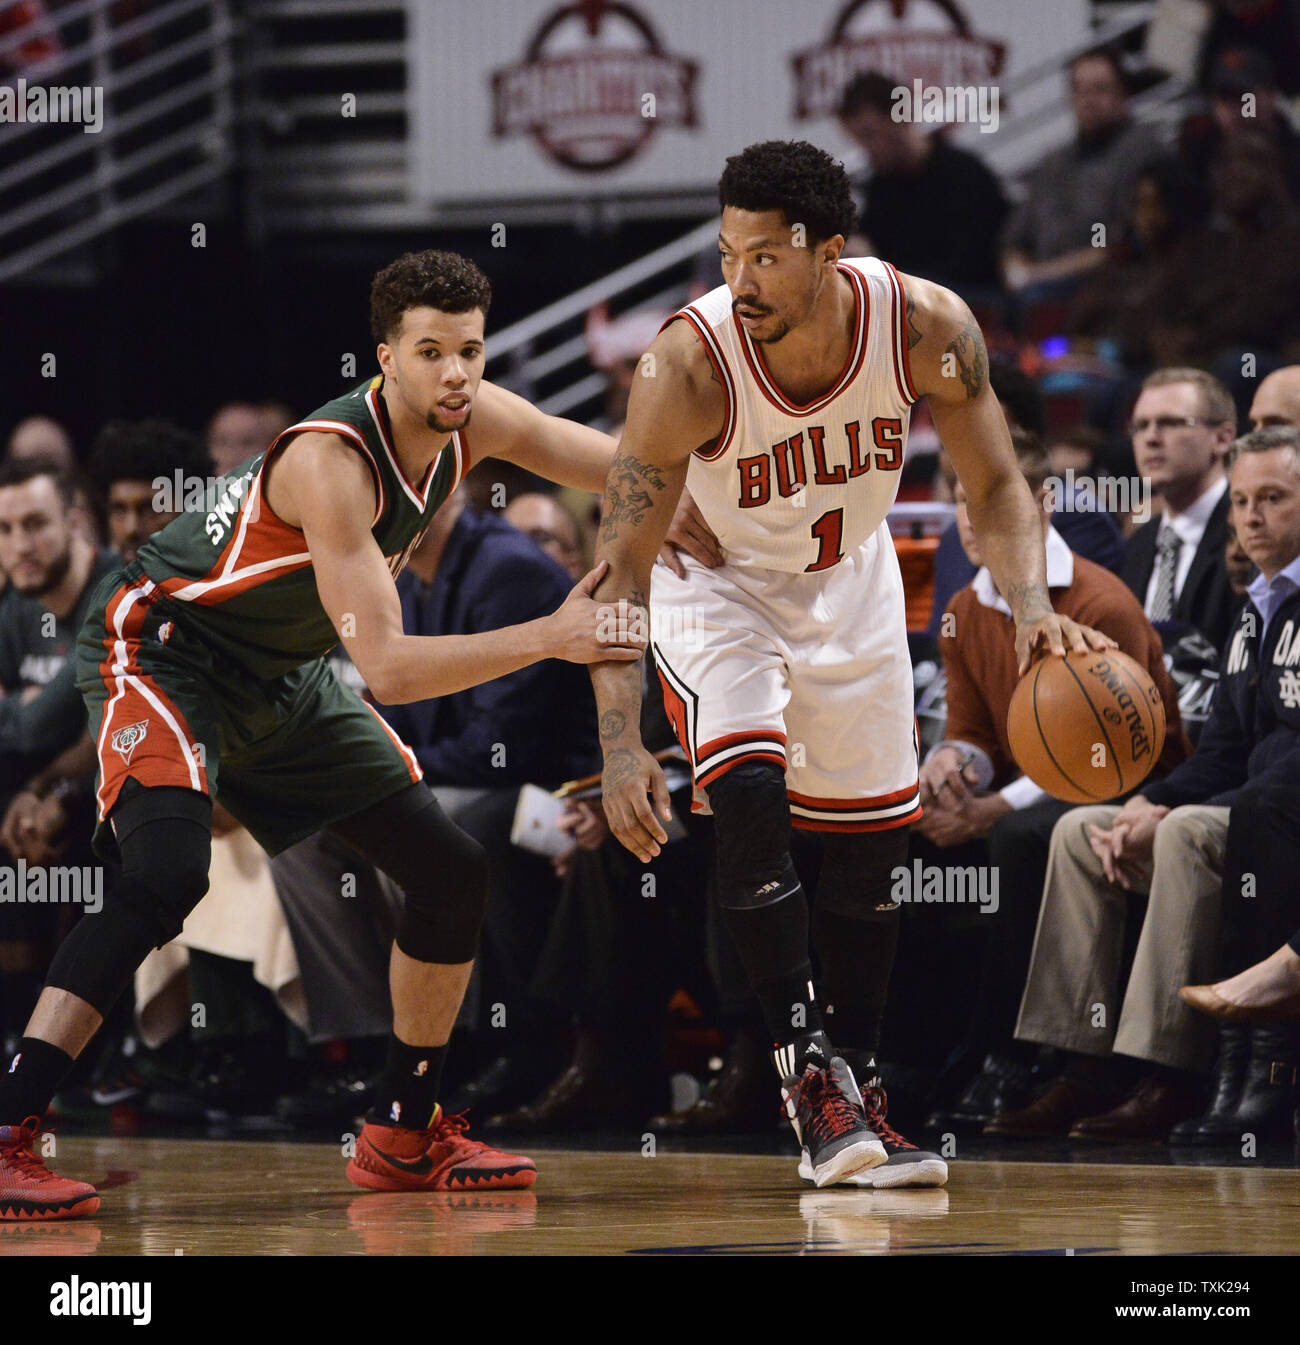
pixel 451 1129
pixel 22 1157
pixel 875 1104
pixel 831 1112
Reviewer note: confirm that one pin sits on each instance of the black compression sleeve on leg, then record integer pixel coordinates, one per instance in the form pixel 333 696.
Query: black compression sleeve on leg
pixel 855 931
pixel 442 872
pixel 165 839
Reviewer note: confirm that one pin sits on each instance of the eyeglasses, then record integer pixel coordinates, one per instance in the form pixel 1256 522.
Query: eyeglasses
pixel 1167 423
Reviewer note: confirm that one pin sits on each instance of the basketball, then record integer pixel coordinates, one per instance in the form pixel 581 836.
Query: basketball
pixel 1086 727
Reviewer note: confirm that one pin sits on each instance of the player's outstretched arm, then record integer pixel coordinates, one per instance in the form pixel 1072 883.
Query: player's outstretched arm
pixel 950 365
pixel 325 487
pixel 669 415
pixel 507 426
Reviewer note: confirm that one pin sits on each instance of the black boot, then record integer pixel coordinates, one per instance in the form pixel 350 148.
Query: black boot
pixel 1272 1090
pixel 1219 1125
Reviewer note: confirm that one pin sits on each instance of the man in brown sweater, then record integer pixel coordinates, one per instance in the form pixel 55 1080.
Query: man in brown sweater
pixel 973 791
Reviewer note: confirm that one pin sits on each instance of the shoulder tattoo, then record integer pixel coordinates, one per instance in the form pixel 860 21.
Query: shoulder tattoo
pixel 913 331
pixel 968 352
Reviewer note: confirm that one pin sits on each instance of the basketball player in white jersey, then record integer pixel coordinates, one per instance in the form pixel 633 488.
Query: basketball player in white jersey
pixel 781 400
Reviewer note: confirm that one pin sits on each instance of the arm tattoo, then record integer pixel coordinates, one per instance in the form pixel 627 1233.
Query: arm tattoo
pixel 913 331
pixel 1029 601
pixel 628 493
pixel 612 724
pixel 620 765
pixel 972 358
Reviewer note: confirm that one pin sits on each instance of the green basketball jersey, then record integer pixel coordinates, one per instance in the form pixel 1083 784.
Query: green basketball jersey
pixel 241 579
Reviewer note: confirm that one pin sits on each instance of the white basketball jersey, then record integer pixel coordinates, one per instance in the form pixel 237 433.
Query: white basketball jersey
pixel 797 488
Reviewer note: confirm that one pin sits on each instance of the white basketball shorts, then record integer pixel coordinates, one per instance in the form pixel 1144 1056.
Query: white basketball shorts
pixel 808 671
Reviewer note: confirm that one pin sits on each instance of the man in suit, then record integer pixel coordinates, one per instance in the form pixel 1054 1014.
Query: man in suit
pixel 1182 426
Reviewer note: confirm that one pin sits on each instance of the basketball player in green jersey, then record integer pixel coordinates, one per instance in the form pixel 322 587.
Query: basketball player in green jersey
pixel 202 658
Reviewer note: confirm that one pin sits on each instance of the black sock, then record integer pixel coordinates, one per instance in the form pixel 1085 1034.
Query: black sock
pixel 34 1073
pixel 407 1092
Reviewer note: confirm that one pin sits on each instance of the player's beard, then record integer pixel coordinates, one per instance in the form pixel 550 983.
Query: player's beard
pixel 782 330
pixel 436 423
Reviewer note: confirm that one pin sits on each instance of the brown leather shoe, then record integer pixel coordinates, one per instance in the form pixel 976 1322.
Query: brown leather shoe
pixel 575 1099
pixel 1150 1112
pixel 1052 1114
pixel 745 1100
pixel 1208 1000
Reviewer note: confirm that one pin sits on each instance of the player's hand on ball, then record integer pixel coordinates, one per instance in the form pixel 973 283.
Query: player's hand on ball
pixel 690 533
pixel 1053 633
pixel 585 631
pixel 635 795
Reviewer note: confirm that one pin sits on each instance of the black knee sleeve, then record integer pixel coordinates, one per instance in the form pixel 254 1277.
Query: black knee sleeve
pixel 752 825
pixel 759 895
pixel 165 839
pixel 442 872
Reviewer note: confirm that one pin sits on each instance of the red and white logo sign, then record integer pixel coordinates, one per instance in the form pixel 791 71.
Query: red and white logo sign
pixel 126 740
pixel 929 40
pixel 593 87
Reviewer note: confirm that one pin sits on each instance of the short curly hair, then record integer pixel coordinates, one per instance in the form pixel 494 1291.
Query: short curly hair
pixel 143 450
pixel 795 177
pixel 442 280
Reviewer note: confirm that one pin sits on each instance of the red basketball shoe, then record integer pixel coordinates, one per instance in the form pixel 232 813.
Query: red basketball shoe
pixel 28 1189
pixel 441 1158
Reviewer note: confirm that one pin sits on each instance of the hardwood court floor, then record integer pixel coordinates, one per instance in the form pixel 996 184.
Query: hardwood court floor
pixel 289 1198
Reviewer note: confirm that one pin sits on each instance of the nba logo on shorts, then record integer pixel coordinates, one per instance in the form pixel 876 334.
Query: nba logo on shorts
pixel 395 1114
pixel 13 1065
pixel 126 740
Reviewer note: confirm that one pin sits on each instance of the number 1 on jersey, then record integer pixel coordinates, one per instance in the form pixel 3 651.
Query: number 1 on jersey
pixel 829 532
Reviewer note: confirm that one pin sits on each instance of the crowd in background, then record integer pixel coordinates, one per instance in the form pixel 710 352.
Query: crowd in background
pixel 607 992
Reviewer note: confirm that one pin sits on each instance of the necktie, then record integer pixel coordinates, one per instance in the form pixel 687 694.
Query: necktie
pixel 1168 545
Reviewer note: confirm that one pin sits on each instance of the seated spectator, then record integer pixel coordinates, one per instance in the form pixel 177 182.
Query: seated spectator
pixel 1221 293
pixel 45 437
pixel 46 786
pixel 973 791
pixel 1258 1066
pixel 1168 840
pixel 132 467
pixel 241 430
pixel 1117 305
pixel 1277 402
pixel 1243 95
pixel 42 437
pixel 919 185
pixel 1182 427
pixel 551 526
pixel 1090 533
pixel 1049 239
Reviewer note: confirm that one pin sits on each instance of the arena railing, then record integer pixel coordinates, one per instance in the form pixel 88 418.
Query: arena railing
pixel 165 83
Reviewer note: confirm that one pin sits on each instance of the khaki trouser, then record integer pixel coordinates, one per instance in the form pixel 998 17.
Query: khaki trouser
pixel 1072 993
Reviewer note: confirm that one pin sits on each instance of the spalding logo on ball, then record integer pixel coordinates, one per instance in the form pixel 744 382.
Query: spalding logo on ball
pixel 1087 727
